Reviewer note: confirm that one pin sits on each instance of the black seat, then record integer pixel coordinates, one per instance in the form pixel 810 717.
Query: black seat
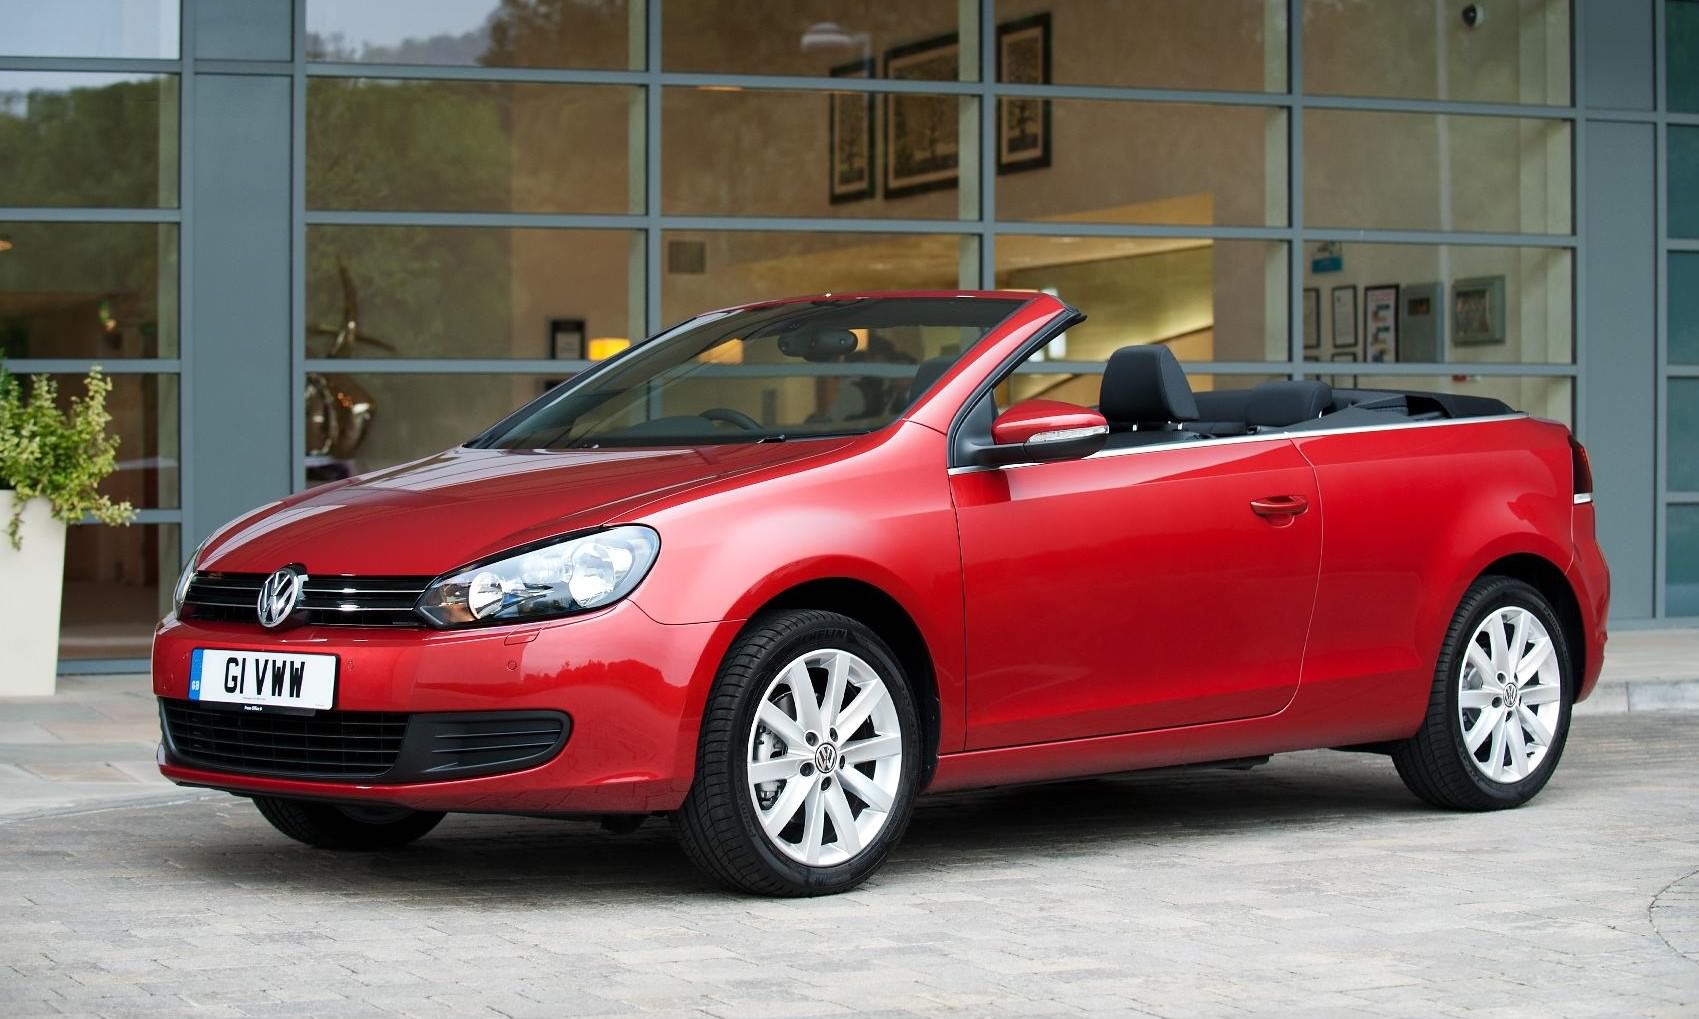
pixel 929 371
pixel 1283 404
pixel 1145 396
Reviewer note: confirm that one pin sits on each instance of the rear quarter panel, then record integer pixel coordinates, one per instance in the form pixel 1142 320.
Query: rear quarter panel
pixel 1413 515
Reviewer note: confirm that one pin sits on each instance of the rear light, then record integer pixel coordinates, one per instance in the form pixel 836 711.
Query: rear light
pixel 1583 467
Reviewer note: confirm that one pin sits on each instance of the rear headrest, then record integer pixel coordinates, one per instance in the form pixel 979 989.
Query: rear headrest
pixel 1278 404
pixel 930 371
pixel 1144 385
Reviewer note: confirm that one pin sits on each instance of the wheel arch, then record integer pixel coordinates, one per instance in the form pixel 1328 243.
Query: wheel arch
pixel 1548 578
pixel 886 616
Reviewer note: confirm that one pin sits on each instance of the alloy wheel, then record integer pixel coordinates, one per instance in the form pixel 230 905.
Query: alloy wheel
pixel 825 757
pixel 1510 693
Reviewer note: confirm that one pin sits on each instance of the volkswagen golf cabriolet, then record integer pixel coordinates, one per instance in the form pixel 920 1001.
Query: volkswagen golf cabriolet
pixel 781 569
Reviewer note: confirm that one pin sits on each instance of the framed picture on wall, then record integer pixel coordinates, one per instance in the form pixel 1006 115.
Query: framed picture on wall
pixel 1312 318
pixel 922 150
pixel 1380 323
pixel 1023 125
pixel 1344 355
pixel 851 138
pixel 566 339
pixel 1477 310
pixel 1344 319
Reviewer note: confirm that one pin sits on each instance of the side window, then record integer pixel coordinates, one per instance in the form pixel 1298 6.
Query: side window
pixel 1048 373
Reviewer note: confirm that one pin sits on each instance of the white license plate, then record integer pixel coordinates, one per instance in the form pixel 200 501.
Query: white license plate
pixel 263 678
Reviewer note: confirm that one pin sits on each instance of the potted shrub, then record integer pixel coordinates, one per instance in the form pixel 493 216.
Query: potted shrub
pixel 51 463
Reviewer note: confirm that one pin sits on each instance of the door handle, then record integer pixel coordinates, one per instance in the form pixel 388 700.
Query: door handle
pixel 1280 506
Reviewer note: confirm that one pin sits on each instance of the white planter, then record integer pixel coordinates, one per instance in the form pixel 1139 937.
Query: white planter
pixel 32 583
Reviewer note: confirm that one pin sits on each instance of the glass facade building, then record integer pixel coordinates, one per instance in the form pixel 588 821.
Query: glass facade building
pixel 316 237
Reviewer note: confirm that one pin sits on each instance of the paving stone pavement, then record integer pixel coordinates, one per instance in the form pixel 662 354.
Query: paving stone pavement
pixel 1314 886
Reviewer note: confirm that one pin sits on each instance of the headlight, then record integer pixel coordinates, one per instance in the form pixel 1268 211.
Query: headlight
pixel 182 590
pixel 543 582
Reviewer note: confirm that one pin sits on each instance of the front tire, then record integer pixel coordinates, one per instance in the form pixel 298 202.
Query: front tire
pixel 809 759
pixel 327 826
pixel 1498 713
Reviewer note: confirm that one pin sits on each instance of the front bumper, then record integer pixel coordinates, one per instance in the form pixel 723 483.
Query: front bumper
pixel 632 688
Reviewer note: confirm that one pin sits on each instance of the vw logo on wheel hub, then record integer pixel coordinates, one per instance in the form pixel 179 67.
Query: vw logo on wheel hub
pixel 280 596
pixel 825 758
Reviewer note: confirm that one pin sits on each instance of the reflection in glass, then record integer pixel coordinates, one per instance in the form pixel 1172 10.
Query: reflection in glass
pixel 1683 444
pixel 1681 592
pixel 118 584
pixel 1233 45
pixel 144 413
pixel 504 288
pixel 704 270
pixel 1549 398
pixel 1206 300
pixel 417 415
pixel 811 37
pixel 1684 307
pixel 775 153
pixel 1425 49
pixel 105 140
pixel 491 33
pixel 94 290
pixel 1684 181
pixel 1383 171
pixel 1174 163
pixel 133 29
pixel 386 144
pixel 1452 303
pixel 1681 44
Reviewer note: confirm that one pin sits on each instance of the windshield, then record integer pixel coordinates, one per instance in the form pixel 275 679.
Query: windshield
pixel 834 366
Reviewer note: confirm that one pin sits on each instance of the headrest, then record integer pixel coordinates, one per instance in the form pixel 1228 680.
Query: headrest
pixel 1144 385
pixel 930 371
pixel 1278 404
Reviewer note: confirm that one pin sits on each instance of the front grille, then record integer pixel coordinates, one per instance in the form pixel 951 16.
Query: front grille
pixel 355 746
pixel 331 744
pixel 325 601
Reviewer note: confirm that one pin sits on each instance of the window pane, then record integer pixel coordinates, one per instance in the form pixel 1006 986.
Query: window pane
pixel 704 270
pixel 1424 49
pixel 1447 303
pixel 811 154
pixel 1206 300
pixel 1124 162
pixel 1683 435
pixel 475 32
pixel 1384 171
pixel 144 413
pixel 1684 181
pixel 1681 591
pixel 134 29
pixel 1684 308
pixel 1681 40
pixel 1542 397
pixel 914 39
pixel 1236 45
pixel 107 140
pixel 414 416
pixel 382 144
pixel 99 290
pixel 515 293
pixel 118 584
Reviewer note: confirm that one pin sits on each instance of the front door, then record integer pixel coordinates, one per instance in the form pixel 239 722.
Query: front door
pixel 1132 590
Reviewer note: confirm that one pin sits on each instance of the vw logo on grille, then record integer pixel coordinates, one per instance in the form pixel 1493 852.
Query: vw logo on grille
pixel 279 596
pixel 825 758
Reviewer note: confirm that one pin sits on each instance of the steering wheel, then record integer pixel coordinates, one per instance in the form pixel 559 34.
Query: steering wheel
pixel 731 417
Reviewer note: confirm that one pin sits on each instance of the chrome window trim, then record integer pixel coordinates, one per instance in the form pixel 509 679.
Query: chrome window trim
pixel 1264 437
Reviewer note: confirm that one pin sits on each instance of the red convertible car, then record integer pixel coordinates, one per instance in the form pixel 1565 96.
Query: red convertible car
pixel 783 568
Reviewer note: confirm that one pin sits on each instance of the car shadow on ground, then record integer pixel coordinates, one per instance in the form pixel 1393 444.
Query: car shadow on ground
pixel 513 861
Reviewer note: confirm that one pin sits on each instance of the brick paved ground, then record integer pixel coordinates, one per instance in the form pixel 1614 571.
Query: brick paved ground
pixel 1314 886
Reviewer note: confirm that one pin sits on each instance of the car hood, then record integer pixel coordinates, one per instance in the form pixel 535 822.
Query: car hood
pixel 432 515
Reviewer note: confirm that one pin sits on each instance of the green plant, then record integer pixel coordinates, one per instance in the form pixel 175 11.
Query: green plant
pixel 57 455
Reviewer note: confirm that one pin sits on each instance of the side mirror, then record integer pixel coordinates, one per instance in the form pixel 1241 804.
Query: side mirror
pixel 1038 431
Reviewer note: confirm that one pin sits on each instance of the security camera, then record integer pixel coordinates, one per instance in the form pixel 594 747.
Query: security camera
pixel 1472 15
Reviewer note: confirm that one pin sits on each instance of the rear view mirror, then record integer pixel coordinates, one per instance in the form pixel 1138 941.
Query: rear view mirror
pixel 1038 431
pixel 823 345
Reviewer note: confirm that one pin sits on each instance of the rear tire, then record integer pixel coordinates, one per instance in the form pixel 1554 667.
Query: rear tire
pixel 1498 711
pixel 809 759
pixel 327 826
